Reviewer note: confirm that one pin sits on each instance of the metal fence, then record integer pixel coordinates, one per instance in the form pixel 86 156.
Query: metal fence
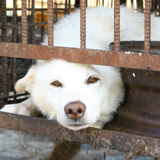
pixel 129 143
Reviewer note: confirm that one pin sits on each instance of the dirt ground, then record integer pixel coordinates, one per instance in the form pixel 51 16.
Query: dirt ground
pixel 23 146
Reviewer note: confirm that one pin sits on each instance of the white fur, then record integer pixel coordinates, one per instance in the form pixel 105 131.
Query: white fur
pixel 101 98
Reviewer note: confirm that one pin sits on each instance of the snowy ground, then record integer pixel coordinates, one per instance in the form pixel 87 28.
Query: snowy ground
pixel 23 146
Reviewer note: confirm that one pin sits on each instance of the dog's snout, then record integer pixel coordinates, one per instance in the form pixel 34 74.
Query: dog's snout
pixel 75 110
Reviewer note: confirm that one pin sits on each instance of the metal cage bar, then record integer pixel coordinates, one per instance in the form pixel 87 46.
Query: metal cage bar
pixel 116 25
pixel 32 33
pixel 83 24
pixel 88 56
pixel 103 138
pixel 4 59
pixel 147 26
pixel 24 22
pixel 14 39
pixel 96 137
pixel 50 22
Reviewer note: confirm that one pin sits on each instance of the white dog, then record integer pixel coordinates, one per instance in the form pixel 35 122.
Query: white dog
pixel 79 95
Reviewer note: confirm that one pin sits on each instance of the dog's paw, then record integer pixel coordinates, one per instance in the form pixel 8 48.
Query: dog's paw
pixel 17 109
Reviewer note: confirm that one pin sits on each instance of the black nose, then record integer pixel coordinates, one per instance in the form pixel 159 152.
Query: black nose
pixel 75 110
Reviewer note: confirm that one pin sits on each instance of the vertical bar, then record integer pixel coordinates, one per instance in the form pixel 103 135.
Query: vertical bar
pixel 24 22
pixel 50 22
pixel 33 21
pixel 56 9
pixel 116 25
pixel 159 9
pixel 102 2
pixel 66 11
pixel 69 3
pixel 42 27
pixel 14 21
pixel 147 26
pixel 4 59
pixel 83 24
pixel 14 39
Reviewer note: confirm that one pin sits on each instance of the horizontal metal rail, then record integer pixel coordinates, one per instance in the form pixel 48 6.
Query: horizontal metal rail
pixel 96 137
pixel 88 56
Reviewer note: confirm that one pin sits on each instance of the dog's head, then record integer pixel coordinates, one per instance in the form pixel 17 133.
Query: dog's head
pixel 77 95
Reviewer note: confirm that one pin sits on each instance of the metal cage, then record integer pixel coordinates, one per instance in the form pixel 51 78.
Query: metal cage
pixel 126 142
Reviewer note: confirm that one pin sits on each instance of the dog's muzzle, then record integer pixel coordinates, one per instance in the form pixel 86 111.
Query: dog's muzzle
pixel 75 110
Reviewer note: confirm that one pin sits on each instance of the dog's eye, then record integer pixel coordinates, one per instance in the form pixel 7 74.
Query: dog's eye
pixel 92 79
pixel 56 83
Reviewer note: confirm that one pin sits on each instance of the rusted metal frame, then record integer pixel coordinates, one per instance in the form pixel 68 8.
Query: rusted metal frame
pixel 88 56
pixel 147 26
pixel 50 22
pixel 83 24
pixel 24 22
pixel 116 25
pixel 19 25
pixel 96 137
pixel 14 39
pixel 4 59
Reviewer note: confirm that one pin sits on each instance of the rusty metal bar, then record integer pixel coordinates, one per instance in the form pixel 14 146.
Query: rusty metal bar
pixel 83 24
pixel 88 56
pixel 50 22
pixel 24 22
pixel 116 25
pixel 14 39
pixel 14 21
pixel 42 27
pixel 32 33
pixel 96 137
pixel 147 26
pixel 4 20
pixel 4 59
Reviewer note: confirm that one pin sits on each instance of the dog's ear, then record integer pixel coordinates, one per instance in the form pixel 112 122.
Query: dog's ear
pixel 25 84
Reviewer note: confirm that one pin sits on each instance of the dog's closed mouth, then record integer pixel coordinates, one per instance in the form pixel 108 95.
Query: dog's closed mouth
pixel 77 125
